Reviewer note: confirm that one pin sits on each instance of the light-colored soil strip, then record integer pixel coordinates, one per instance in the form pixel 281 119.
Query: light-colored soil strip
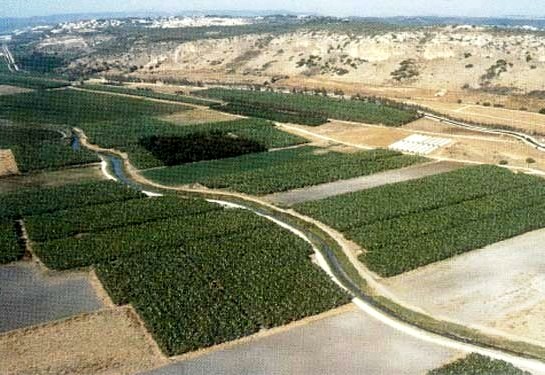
pixel 8 166
pixel 102 343
pixel 12 90
pixel 318 192
pixel 99 290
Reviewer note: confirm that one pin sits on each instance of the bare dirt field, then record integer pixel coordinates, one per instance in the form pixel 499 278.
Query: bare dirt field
pixel 527 121
pixel 466 146
pixel 361 183
pixel 55 178
pixel 350 343
pixel 106 342
pixel 30 295
pixel 500 287
pixel 8 166
pixel 11 90
pixel 198 116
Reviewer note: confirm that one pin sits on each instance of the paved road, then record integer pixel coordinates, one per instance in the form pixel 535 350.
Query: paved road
pixel 318 192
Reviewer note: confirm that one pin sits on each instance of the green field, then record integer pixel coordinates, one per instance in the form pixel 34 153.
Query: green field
pixel 123 123
pixel 41 200
pixel 77 108
pixel 67 223
pixel 148 93
pixel 407 225
pixel 313 106
pixel 128 136
pixel 37 148
pixel 10 250
pixel 283 170
pixel 476 364
pixel 28 81
pixel 200 277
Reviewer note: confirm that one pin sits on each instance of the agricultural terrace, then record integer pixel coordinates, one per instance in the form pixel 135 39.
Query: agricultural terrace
pixel 30 82
pixel 130 125
pixel 148 93
pixel 36 201
pixel 476 364
pixel 283 170
pixel 38 148
pixel 407 225
pixel 307 109
pixel 199 277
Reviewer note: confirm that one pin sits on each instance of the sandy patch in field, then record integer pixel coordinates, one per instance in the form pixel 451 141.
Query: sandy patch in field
pixel 8 166
pixel 198 116
pixel 107 342
pixel 500 287
pixel 430 126
pixel 11 90
pixel 51 178
pixel 492 152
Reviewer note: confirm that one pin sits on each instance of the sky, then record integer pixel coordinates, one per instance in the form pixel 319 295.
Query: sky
pixel 471 8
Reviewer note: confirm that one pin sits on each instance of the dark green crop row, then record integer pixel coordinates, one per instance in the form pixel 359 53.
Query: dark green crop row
pixel 149 94
pixel 130 240
pixel 10 250
pixel 407 225
pixel 353 210
pixel 476 364
pixel 30 82
pixel 42 200
pixel 271 113
pixel 199 279
pixel 282 170
pixel 66 223
pixel 223 290
pixel 77 108
pixel 318 106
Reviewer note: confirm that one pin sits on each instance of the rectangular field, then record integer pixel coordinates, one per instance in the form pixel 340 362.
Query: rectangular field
pixel 41 200
pixel 407 225
pixel 30 82
pixel 207 276
pixel 312 106
pixel 283 170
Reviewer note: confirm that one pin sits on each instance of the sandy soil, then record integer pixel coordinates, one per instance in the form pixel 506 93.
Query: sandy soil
pixel 351 343
pixel 107 342
pixel 528 121
pixel 499 287
pixel 466 146
pixel 54 178
pixel 11 90
pixel 492 152
pixel 8 166
pixel 356 184
pixel 198 116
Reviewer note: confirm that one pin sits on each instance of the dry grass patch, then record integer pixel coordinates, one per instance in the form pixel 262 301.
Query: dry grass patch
pixel 8 166
pixel 199 116
pixel 107 342
pixel 11 90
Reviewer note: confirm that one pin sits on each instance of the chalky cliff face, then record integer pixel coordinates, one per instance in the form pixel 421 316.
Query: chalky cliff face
pixel 438 58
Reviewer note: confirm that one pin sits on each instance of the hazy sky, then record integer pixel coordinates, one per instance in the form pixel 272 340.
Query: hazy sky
pixel 23 8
